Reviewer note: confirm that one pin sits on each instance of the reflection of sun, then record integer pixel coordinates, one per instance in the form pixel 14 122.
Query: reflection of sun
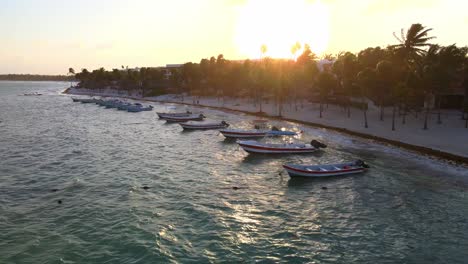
pixel 279 25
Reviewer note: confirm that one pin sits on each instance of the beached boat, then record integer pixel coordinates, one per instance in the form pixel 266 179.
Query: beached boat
pixel 325 170
pixel 180 119
pixel 253 146
pixel 204 125
pixel 164 115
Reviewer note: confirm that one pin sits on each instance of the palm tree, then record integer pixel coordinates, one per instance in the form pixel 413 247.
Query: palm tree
pixel 385 74
pixel 413 43
pixel 411 49
pixel 263 50
pixel 294 49
pixel 71 72
pixel 326 83
pixel 366 80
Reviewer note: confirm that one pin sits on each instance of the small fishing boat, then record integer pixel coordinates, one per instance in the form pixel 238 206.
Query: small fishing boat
pixel 124 106
pixel 253 146
pixel 326 169
pixel 278 132
pixel 203 125
pixel 239 133
pixel 164 115
pixel 137 107
pixel 180 119
pixel 255 133
pixel 32 94
pixel 88 101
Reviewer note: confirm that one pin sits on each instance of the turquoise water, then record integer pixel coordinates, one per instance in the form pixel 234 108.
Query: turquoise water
pixel 406 209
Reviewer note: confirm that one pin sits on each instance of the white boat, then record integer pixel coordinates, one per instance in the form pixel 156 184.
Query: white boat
pixel 204 125
pixel 277 132
pixel 325 170
pixel 180 119
pixel 239 133
pixel 124 106
pixel 253 146
pixel 137 107
pixel 164 115
pixel 255 133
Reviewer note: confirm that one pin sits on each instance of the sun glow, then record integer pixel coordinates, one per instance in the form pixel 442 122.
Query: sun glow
pixel 279 25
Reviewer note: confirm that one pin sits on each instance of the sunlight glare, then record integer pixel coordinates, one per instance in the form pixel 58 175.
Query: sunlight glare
pixel 279 24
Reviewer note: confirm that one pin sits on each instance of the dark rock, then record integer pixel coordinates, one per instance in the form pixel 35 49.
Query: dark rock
pixel 145 187
pixel 324 188
pixel 59 201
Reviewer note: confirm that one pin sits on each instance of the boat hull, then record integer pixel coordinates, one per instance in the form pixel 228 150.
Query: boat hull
pixel 280 149
pixel 169 115
pixel 183 119
pixel 243 134
pixel 201 127
pixel 298 172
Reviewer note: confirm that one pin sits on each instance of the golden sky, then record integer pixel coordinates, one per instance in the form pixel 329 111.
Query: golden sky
pixel 48 36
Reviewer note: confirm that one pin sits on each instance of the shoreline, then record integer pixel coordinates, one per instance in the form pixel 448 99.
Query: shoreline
pixel 438 154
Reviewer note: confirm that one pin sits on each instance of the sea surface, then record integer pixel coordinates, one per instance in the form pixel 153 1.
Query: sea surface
pixel 72 178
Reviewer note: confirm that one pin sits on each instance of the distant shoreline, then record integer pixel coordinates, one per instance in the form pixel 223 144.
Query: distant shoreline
pixel 35 78
pixel 411 147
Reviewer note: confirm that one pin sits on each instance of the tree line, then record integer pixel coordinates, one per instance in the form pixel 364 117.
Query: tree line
pixel 411 75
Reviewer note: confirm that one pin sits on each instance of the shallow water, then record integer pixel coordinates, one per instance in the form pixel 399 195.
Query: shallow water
pixel 405 209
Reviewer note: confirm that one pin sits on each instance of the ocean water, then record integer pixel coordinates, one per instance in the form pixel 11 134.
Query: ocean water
pixel 406 209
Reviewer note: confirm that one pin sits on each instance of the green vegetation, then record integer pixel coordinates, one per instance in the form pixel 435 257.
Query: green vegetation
pixel 410 76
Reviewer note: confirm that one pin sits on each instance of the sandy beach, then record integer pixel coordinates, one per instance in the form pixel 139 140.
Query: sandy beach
pixel 446 140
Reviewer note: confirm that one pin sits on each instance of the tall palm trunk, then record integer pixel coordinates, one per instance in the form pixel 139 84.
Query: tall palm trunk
pixel 365 118
pixel 403 120
pixel 381 110
pixel 321 107
pixel 439 120
pixel 426 118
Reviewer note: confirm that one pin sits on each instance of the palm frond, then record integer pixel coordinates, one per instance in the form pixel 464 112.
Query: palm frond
pixel 423 33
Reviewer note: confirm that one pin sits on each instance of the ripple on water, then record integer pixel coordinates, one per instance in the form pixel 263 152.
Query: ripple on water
pixel 207 200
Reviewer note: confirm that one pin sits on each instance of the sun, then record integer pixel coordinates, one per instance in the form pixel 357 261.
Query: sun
pixel 279 25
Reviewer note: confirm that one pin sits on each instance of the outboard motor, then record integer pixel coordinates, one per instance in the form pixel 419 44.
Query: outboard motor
pixel 361 164
pixel 317 144
pixel 202 116
pixel 274 128
pixel 188 112
pixel 224 123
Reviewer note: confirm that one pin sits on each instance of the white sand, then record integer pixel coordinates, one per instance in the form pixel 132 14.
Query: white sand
pixel 451 136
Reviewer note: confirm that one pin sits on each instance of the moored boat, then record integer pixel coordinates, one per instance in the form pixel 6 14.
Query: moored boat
pixel 239 133
pixel 164 115
pixel 255 133
pixel 180 119
pixel 325 170
pixel 204 125
pixel 253 146
pixel 87 101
